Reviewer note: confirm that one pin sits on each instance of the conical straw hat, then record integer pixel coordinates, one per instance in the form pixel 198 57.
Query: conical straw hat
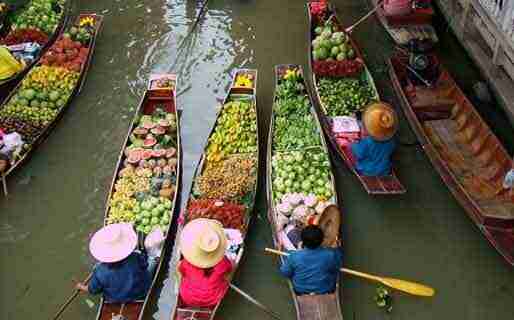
pixel 203 242
pixel 380 120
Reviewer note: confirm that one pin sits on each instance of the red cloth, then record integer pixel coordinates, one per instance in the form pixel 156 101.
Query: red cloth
pixel 200 290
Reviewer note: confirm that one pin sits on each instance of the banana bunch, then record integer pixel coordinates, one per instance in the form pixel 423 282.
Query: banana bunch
pixel 9 66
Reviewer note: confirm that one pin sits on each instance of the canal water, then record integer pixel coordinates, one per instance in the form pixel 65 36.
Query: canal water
pixel 57 200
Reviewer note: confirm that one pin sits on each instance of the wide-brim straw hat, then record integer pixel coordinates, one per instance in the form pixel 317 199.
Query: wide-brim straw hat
pixel 330 223
pixel 203 242
pixel 380 121
pixel 113 242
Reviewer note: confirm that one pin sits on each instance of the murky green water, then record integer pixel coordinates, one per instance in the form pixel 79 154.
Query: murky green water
pixel 58 198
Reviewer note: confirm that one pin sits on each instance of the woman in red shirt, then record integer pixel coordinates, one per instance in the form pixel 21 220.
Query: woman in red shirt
pixel 204 268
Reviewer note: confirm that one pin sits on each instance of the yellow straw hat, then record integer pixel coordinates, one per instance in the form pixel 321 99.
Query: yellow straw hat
pixel 203 242
pixel 380 120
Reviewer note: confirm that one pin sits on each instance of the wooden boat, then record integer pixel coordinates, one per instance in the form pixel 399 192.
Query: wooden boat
pixel 76 90
pixel 7 84
pixel 154 97
pixel 413 26
pixel 468 156
pixel 312 307
pixel 385 185
pixel 249 94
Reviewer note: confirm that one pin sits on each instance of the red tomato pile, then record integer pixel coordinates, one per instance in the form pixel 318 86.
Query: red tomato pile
pixel 229 214
pixel 25 35
pixel 343 68
pixel 319 11
pixel 66 53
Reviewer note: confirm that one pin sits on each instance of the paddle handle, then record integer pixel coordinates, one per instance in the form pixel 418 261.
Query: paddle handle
pixel 278 252
pixel 71 298
pixel 350 28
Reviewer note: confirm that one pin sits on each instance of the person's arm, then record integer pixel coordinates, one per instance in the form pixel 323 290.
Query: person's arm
pixel 94 286
pixel 286 268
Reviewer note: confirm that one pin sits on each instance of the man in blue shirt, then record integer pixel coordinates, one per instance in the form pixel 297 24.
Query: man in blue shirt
pixel 122 274
pixel 313 269
pixel 373 154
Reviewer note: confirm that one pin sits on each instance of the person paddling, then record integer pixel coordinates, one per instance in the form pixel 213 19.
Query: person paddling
pixel 373 153
pixel 123 274
pixel 204 268
pixel 313 269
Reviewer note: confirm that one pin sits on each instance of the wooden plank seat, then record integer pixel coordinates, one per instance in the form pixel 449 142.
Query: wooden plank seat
pixel 318 307
pixel 479 181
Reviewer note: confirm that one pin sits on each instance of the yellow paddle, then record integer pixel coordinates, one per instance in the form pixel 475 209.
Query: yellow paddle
pixel 402 285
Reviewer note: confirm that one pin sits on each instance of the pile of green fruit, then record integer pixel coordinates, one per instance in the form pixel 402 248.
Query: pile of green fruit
pixel 41 95
pixel 236 131
pixel 331 45
pixel 151 213
pixel 302 172
pixel 295 132
pixel 345 96
pixel 43 15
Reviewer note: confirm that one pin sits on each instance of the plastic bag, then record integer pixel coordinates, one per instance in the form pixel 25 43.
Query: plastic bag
pixel 12 143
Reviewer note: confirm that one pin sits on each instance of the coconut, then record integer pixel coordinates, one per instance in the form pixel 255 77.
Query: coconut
pixel 165 124
pixel 172 163
pixel 171 152
pixel 134 157
pixel 140 132
pixel 147 154
pixel 149 125
pixel 162 163
pixel 152 163
pixel 149 142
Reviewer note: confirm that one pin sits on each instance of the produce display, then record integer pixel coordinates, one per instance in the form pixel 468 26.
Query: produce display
pixel 235 132
pixel 345 96
pixel 25 35
pixel 294 125
pixel 299 208
pixel 332 50
pixel 305 171
pixel 303 167
pixel 231 215
pixel 44 91
pixel 224 189
pixel 146 183
pixel 66 53
pixel 229 179
pixel 43 15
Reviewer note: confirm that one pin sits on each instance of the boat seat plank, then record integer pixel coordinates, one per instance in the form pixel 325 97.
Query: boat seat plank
pixel 480 183
pixel 130 311
pixel 318 307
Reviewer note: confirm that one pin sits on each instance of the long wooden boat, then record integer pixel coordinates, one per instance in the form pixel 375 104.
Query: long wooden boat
pixel 236 93
pixel 468 156
pixel 402 29
pixel 312 307
pixel 39 139
pixel 384 185
pixel 9 83
pixel 155 98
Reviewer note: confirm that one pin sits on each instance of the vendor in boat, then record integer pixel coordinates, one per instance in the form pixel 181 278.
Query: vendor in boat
pixel 373 153
pixel 124 274
pixel 313 269
pixel 204 269
pixel 4 159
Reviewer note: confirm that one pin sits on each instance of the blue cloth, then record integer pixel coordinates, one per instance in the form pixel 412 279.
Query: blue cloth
pixel 373 157
pixel 125 281
pixel 313 270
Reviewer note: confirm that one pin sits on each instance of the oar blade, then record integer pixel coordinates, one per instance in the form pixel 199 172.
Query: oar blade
pixel 409 287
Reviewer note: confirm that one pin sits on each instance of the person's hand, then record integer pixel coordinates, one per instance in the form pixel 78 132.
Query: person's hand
pixel 81 287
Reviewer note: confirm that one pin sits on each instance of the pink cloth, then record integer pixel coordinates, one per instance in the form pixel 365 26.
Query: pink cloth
pixel 200 290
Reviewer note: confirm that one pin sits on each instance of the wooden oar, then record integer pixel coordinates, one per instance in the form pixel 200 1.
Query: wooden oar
pixel 4 184
pixel 71 298
pixel 350 28
pixel 402 285
pixel 255 302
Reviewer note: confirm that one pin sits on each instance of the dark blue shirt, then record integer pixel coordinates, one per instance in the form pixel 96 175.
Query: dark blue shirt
pixel 313 270
pixel 373 157
pixel 124 281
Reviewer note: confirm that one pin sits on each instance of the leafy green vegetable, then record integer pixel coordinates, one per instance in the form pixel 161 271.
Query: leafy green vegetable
pixel 344 96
